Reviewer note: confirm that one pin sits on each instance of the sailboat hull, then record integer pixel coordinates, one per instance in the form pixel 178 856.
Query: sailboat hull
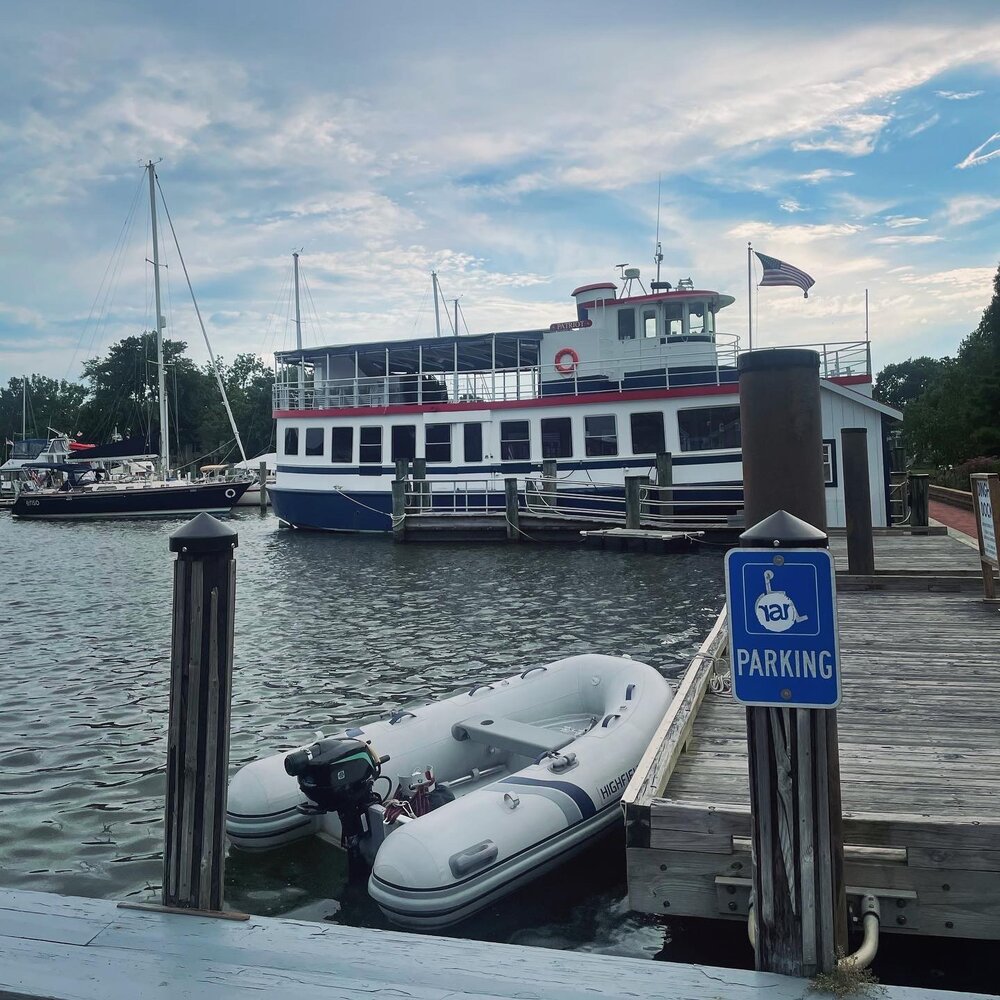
pixel 130 501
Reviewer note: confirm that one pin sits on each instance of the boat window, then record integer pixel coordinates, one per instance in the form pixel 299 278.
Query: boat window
pixel 314 440
pixel 370 446
pixel 649 322
pixel 709 428
pixel 437 442
pixel 626 324
pixel 515 441
pixel 675 325
pixel 557 437
pixel 473 442
pixel 696 319
pixel 600 435
pixel 647 433
pixel 291 440
pixel 342 444
pixel 404 442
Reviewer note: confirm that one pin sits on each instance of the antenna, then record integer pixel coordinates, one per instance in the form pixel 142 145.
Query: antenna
pixel 658 255
pixel 621 269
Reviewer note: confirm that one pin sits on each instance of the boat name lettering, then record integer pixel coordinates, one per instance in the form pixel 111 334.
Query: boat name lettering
pixel 580 324
pixel 617 785
pixel 785 663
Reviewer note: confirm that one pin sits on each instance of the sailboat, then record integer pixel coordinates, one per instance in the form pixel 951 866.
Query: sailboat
pixel 85 492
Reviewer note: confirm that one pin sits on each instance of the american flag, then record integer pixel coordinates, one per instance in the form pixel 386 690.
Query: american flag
pixel 777 272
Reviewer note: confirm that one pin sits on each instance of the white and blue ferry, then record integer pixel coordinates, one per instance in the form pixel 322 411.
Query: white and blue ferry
pixel 631 375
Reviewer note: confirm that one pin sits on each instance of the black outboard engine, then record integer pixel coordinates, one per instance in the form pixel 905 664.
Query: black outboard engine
pixel 336 774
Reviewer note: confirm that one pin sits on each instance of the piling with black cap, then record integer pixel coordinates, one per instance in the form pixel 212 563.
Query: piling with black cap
pixel 201 668
pixel 800 910
pixel 857 501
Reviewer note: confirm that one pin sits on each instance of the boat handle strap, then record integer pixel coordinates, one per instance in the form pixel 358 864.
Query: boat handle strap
pixel 531 670
pixel 477 687
pixel 399 716
pixel 472 857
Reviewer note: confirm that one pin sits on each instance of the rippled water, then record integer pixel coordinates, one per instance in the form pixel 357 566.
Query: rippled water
pixel 328 629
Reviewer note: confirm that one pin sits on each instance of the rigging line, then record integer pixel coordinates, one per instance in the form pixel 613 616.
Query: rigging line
pixel 318 333
pixel 194 461
pixel 271 326
pixel 461 312
pixel 204 333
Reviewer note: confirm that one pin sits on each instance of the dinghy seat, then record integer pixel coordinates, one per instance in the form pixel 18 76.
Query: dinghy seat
pixel 514 737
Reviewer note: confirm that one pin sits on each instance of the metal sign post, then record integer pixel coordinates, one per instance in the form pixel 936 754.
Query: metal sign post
pixel 986 500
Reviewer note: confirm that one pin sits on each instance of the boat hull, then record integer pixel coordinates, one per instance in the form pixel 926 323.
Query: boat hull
pixel 145 501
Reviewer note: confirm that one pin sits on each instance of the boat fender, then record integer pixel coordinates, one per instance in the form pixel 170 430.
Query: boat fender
pixel 566 360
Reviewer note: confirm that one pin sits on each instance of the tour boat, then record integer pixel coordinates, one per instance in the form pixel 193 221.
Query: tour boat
pixel 449 806
pixel 633 374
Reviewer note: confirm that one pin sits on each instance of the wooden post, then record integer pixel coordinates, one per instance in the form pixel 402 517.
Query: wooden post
pixel 919 499
pixel 857 501
pixel 664 479
pixel 399 510
pixel 262 477
pixel 201 668
pixel 422 486
pixel 550 473
pixel 510 494
pixel 986 503
pixel 633 513
pixel 402 468
pixel 800 907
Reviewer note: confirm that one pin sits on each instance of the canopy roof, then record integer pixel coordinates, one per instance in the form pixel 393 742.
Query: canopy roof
pixel 430 354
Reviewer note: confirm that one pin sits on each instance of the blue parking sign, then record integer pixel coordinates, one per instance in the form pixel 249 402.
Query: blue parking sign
pixel 783 644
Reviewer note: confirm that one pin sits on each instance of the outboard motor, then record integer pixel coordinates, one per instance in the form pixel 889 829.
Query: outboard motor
pixel 336 774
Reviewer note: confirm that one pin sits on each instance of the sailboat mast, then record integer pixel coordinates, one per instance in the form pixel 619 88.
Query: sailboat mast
pixel 437 309
pixel 298 331
pixel 160 367
pixel 24 407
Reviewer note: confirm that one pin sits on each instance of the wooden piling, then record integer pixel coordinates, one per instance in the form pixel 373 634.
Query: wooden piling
pixel 919 499
pixel 421 484
pixel 800 906
pixel 402 468
pixel 399 510
pixel 550 475
pixel 633 511
pixel 510 496
pixel 857 501
pixel 664 479
pixel 262 478
pixel 201 667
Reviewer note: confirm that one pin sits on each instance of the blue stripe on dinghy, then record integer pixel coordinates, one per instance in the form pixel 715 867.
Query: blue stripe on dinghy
pixel 583 801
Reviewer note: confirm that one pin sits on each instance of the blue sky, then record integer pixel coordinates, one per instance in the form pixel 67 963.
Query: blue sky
pixel 515 148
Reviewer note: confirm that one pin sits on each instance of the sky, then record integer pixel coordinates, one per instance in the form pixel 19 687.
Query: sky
pixel 518 149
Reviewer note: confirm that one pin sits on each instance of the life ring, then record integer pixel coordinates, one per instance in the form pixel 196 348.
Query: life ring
pixel 566 367
pixel 230 494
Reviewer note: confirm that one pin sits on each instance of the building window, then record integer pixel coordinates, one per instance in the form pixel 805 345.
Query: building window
pixel 626 324
pixel 404 442
pixel 829 462
pixel 314 441
pixel 342 445
pixel 437 442
pixel 515 440
pixel 709 428
pixel 473 434
pixel 647 433
pixel 600 435
pixel 370 446
pixel 649 323
pixel 291 440
pixel 557 437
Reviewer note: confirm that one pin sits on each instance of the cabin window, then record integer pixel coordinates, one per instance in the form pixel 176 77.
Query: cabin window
pixel 626 324
pixel 515 440
pixel 437 442
pixel 696 319
pixel 675 324
pixel 473 435
pixel 647 433
pixel 342 444
pixel 709 428
pixel 649 323
pixel 600 435
pixel 291 440
pixel 830 463
pixel 404 442
pixel 370 446
pixel 314 441
pixel 557 437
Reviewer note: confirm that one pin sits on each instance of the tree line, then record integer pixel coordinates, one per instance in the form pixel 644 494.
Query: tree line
pixel 951 406
pixel 118 394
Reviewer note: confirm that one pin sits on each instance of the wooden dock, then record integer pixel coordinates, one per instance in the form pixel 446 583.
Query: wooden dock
pixel 919 757
pixel 65 948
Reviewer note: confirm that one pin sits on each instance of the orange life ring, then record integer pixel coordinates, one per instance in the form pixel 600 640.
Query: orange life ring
pixel 566 367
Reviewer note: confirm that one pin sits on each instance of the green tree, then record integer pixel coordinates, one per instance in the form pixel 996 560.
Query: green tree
pixel 50 403
pixel 248 383
pixel 901 383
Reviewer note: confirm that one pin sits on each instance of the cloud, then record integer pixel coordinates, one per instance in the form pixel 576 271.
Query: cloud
pixel 977 156
pixel 951 95
pixel 923 126
pixel 852 135
pixel 792 234
pixel 903 221
pixel 964 209
pixel 790 205
pixel 907 240
pixel 824 174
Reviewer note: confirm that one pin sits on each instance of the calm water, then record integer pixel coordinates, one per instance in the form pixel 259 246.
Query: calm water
pixel 328 629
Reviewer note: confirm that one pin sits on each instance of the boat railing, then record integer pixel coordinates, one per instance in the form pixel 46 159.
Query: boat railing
pixel 837 359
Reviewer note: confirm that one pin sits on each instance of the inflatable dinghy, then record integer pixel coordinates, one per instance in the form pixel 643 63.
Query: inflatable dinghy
pixel 453 804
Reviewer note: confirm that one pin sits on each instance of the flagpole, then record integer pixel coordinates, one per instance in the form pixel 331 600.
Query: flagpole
pixel 749 299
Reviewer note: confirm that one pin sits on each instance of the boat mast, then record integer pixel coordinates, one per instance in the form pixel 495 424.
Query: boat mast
pixel 437 311
pixel 298 330
pixel 24 407
pixel 160 367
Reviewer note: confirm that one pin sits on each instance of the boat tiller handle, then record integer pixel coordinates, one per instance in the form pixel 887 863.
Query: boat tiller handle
pixel 472 858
